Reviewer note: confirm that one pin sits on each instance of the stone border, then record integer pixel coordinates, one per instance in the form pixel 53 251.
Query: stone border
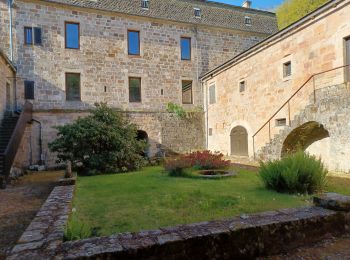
pixel 247 237
pixel 45 233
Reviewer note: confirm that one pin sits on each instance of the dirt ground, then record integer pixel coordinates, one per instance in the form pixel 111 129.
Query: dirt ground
pixel 330 249
pixel 19 203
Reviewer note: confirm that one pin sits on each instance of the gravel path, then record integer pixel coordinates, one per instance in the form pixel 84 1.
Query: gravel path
pixel 19 204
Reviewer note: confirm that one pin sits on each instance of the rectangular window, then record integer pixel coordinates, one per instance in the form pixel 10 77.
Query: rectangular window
pixel 185 48
pixel 197 12
pixel 37 36
pixel 133 42
pixel 29 89
pixel 73 87
pixel 281 122
pixel 212 95
pixel 72 34
pixel 28 35
pixel 186 92
pixel 287 69
pixel 145 4
pixel 242 86
pixel 210 131
pixel 134 90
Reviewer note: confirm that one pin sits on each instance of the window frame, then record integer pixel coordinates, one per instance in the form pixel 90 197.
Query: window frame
pixel 140 80
pixel 190 46
pixel 146 6
pixel 66 85
pixel 244 84
pixel 210 100
pixel 285 67
pixel 26 91
pixel 139 43
pixel 65 35
pixel 25 35
pixel 182 93
pixel 279 120
pixel 197 11
pixel 248 20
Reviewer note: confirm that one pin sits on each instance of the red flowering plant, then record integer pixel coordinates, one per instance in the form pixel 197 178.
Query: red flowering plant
pixel 207 160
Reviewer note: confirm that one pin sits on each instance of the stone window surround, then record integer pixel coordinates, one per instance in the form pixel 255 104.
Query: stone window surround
pixel 132 28
pixel 180 88
pixel 63 80
pixel 287 58
pixel 65 34
pixel 191 44
pixel 242 82
pixel 215 94
pixel 140 79
pixel 143 84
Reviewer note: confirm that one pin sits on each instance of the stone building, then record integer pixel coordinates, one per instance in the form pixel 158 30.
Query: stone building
pixel 289 92
pixel 136 55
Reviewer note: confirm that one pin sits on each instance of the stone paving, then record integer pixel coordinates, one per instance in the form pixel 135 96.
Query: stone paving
pixel 19 204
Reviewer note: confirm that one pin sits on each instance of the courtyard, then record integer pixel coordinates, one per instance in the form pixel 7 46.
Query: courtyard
pixel 150 199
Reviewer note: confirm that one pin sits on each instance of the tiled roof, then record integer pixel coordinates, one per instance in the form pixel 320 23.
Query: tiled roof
pixel 212 13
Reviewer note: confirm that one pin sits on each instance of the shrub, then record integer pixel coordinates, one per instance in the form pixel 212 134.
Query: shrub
pixel 207 160
pixel 204 160
pixel 176 167
pixel 104 141
pixel 296 173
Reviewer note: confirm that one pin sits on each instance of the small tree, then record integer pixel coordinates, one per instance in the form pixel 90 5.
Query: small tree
pixel 102 142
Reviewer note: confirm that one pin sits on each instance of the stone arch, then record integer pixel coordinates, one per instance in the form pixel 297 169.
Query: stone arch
pixel 142 135
pixel 239 141
pixel 303 136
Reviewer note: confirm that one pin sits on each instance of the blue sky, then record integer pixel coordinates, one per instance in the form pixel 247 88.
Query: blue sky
pixel 260 4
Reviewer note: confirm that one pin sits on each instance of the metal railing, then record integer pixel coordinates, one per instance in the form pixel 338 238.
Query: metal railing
pixel 287 104
pixel 16 137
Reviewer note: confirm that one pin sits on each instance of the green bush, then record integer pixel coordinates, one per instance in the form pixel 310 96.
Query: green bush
pixel 103 142
pixel 177 167
pixel 296 173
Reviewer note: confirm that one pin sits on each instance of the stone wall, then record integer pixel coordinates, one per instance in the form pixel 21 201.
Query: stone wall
pixel 103 60
pixel 7 83
pixel 315 46
pixel 166 132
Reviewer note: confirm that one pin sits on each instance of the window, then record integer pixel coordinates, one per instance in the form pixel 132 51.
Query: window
pixel 210 131
pixel 133 42
pixel 185 48
pixel 72 33
pixel 28 89
pixel 32 35
pixel 186 92
pixel 242 86
pixel 28 35
pixel 212 96
pixel 197 13
pixel 281 122
pixel 248 20
pixel 134 90
pixel 145 4
pixel 73 87
pixel 287 69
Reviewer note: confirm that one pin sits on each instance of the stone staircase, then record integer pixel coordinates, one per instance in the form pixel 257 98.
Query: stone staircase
pixel 7 127
pixel 331 111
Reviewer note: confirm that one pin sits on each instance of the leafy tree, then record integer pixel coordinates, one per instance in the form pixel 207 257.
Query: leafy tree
pixel 292 10
pixel 104 141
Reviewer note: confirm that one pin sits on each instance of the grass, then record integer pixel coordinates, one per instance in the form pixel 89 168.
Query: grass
pixel 150 199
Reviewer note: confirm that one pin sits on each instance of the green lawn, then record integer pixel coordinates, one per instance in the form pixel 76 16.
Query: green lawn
pixel 150 199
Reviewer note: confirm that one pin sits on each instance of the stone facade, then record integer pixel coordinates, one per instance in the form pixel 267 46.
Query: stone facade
pixel 316 44
pixel 105 66
pixel 7 85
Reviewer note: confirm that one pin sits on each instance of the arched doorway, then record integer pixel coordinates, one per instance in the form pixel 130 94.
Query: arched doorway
pixel 239 141
pixel 142 135
pixel 303 136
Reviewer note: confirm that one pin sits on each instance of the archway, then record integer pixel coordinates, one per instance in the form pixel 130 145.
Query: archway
pixel 303 136
pixel 142 135
pixel 239 141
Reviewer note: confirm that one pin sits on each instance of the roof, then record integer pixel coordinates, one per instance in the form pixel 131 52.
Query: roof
pixel 213 13
pixel 271 38
pixel 7 60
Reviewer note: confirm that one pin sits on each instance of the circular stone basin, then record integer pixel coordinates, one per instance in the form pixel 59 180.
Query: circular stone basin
pixel 216 174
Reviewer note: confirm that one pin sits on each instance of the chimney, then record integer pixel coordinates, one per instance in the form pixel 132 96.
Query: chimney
pixel 247 4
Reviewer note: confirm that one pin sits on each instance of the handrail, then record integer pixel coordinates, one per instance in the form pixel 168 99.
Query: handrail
pixel 293 95
pixel 15 140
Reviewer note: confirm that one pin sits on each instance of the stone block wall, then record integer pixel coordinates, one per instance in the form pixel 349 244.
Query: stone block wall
pixel 315 46
pixel 7 86
pixel 166 132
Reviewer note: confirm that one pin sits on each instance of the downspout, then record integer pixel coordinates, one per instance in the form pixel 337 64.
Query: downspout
pixel 10 4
